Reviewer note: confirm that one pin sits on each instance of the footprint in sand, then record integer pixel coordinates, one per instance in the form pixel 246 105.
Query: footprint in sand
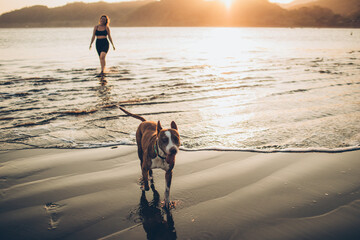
pixel 53 211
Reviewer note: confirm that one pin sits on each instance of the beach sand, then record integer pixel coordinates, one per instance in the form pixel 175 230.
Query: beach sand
pixel 95 194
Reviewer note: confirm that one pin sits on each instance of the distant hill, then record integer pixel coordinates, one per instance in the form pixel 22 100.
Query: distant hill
pixel 180 13
pixel 76 14
pixel 342 7
pixel 260 13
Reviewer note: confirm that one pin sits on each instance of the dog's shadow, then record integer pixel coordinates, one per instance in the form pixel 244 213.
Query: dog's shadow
pixel 152 216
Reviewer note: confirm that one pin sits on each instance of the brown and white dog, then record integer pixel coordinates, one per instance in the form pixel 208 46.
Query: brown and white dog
pixel 157 148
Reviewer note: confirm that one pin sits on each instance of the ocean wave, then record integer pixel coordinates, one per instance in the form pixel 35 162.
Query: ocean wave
pixel 194 99
pixel 217 149
pixel 32 123
pixel 78 112
pixel 287 150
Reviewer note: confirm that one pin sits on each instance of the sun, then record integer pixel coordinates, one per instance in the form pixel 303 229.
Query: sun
pixel 281 1
pixel 227 3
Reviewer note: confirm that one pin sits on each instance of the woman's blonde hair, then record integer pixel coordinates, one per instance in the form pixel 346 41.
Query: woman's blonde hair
pixel 107 20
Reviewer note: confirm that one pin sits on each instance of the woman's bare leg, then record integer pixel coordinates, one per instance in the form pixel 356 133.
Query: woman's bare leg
pixel 102 61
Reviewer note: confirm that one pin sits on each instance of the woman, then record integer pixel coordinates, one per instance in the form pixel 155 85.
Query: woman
pixel 102 32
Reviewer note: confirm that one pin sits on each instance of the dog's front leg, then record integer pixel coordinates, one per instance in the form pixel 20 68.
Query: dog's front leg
pixel 168 177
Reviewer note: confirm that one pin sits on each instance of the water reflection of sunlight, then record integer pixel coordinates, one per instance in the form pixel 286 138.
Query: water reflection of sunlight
pixel 229 53
pixel 227 118
pixel 224 46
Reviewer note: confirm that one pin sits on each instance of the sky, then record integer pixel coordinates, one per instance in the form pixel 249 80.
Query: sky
pixel 8 5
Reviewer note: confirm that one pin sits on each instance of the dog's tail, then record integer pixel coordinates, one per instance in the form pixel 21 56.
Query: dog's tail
pixel 132 115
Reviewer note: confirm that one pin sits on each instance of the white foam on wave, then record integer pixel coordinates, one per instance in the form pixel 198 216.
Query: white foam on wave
pixel 124 142
pixel 128 142
pixel 287 150
pixel 225 149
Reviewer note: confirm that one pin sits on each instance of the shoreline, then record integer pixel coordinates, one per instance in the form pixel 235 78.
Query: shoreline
pixel 95 194
pixel 206 149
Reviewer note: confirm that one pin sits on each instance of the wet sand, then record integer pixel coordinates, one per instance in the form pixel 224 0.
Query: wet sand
pixel 95 194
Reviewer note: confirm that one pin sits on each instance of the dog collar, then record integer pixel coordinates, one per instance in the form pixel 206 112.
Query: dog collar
pixel 157 152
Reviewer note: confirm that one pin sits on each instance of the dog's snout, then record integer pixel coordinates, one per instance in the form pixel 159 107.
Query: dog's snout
pixel 173 151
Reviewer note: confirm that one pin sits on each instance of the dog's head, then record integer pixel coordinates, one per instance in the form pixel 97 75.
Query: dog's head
pixel 169 140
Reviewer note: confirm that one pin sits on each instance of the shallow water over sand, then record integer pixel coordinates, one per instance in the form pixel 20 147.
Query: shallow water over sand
pixel 237 88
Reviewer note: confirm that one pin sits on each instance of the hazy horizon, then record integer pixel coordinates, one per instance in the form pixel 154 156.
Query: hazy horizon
pixel 8 6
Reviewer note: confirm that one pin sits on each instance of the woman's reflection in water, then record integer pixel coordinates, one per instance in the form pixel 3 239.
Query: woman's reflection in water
pixel 153 218
pixel 104 92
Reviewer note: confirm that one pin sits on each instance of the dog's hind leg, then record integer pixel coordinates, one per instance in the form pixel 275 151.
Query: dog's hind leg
pixel 140 150
pixel 145 174
pixel 141 154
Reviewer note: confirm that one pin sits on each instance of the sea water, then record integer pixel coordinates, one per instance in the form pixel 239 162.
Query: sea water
pixel 263 89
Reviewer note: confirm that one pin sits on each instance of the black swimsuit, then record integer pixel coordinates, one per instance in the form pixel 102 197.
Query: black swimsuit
pixel 102 45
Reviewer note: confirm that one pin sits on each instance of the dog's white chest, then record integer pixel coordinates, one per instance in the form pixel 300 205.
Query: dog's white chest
pixel 159 163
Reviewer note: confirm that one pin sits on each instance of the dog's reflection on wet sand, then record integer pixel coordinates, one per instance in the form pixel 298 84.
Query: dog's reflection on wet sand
pixel 153 218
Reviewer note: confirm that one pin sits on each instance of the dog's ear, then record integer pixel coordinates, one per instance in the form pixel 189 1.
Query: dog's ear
pixel 173 125
pixel 159 127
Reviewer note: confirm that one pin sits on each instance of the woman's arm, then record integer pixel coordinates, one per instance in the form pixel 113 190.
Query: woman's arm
pixel 108 31
pixel 93 37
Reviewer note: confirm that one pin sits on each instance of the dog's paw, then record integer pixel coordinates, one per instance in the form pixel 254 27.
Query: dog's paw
pixel 144 188
pixel 151 180
pixel 167 204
